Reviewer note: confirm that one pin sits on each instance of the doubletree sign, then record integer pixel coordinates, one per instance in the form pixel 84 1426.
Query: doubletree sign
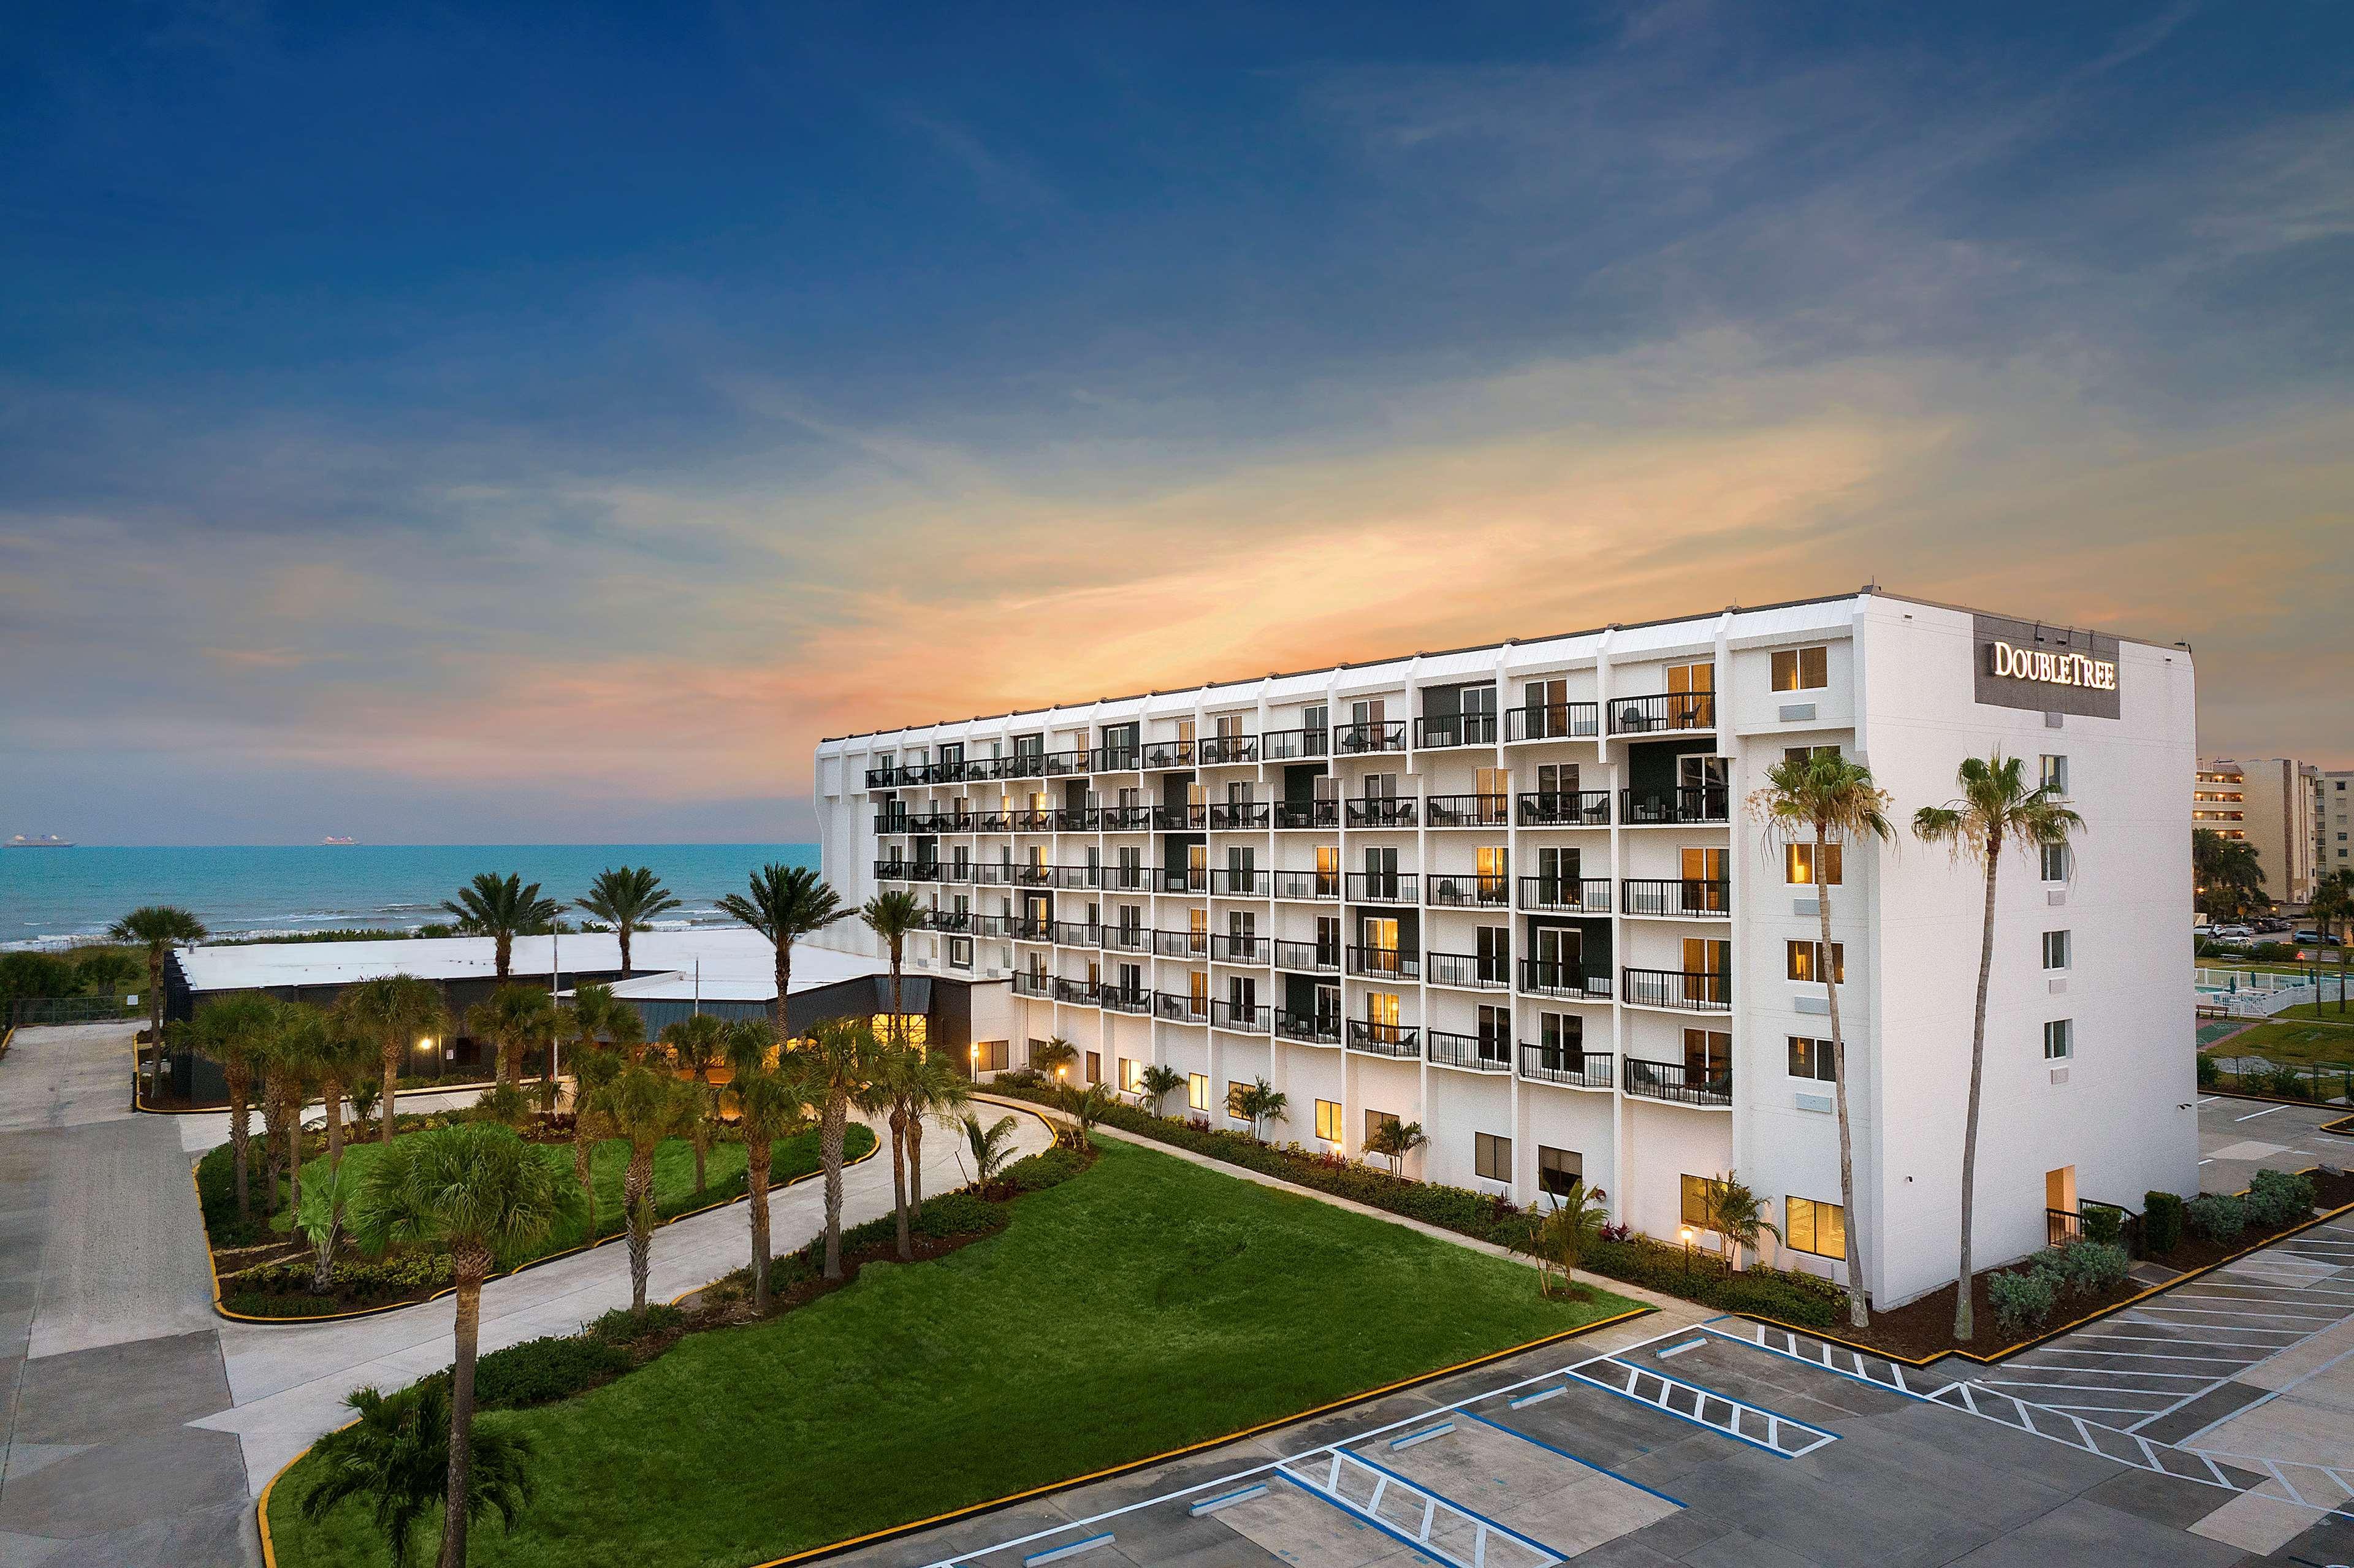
pixel 2053 669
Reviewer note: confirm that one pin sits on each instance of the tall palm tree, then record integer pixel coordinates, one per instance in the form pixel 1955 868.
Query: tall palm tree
pixel 397 1456
pixel 898 1082
pixel 627 899
pixel 936 1092
pixel 348 1056
pixel 501 908
pixel 396 1011
pixel 698 1043
pixel 1824 799
pixel 593 1068
pixel 891 915
pixel 1157 1083
pixel 2226 875
pixel 840 1059
pixel 643 1107
pixel 769 1103
pixel 235 1031
pixel 158 927
pixel 1997 808
pixel 290 1064
pixel 516 1018
pixel 479 1193
pixel 785 904
pixel 2332 910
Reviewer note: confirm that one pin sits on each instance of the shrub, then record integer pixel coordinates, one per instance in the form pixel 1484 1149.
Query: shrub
pixel 2022 1299
pixel 504 1103
pixel 1037 1172
pixel 254 1304
pixel 2103 1223
pixel 2210 1074
pixel 2276 1198
pixel 959 1215
pixel 539 1371
pixel 2085 1268
pixel 2215 1217
pixel 2287 1083
pixel 622 1326
pixel 354 1282
pixel 1799 1299
pixel 2161 1220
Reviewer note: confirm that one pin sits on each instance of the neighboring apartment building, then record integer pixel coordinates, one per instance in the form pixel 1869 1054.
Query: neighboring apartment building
pixel 2333 821
pixel 1515 894
pixel 2269 802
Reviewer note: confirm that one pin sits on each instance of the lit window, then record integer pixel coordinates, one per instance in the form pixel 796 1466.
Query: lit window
pixel 1805 962
pixel 1696 1205
pixel 1197 1090
pixel 1814 1227
pixel 1234 1093
pixel 2059 1040
pixel 1798 864
pixel 1492 1157
pixel 1375 1120
pixel 1328 1120
pixel 909 1031
pixel 1801 669
pixel 1131 1074
pixel 1813 1059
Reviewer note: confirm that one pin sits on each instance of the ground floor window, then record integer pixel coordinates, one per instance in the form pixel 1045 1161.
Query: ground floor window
pixel 1813 1059
pixel 1377 1120
pixel 992 1056
pixel 1816 1227
pixel 1235 1092
pixel 1095 1067
pixel 1559 1170
pixel 1328 1120
pixel 1696 1203
pixel 1131 1074
pixel 1491 1156
pixel 1197 1090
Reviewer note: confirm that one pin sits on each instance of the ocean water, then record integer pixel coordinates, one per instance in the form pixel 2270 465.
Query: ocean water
pixel 48 895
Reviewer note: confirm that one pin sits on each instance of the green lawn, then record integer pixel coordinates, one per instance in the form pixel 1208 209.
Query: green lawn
pixel 1144 1306
pixel 2303 1044
pixel 2325 1012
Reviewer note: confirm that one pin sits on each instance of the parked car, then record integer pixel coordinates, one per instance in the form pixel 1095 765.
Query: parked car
pixel 2316 939
pixel 2220 931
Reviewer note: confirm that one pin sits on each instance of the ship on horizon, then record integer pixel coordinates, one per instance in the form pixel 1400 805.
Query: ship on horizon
pixel 331 839
pixel 38 841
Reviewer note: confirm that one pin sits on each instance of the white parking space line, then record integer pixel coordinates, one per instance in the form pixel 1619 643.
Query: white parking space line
pixel 2252 1115
pixel 2131 1355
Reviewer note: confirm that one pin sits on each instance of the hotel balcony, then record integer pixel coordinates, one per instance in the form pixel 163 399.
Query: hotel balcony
pixel 928 871
pixel 1180 1007
pixel 1308 1028
pixel 1454 729
pixel 878 777
pixel 1385 1039
pixel 1061 763
pixel 1232 816
pixel 1078 934
pixel 1567 894
pixel 1477 1052
pixel 1079 877
pixel 1307 814
pixel 992 821
pixel 1256 952
pixel 1372 736
pixel 1308 958
pixel 1077 992
pixel 990 925
pixel 1662 711
pixel 1384 888
pixel 1467 971
pixel 891 870
pixel 1691 805
pixel 1248 883
pixel 1033 874
pixel 1127 879
pixel 1473 892
pixel 948 920
pixel 1021 928
pixel 1181 819
pixel 893 824
pixel 1031 982
pixel 1030 820
pixel 1539 978
pixel 1023 765
pixel 992 874
pixel 1676 1081
pixel 1076 819
pixel 1383 963
pixel 1467 811
pixel 1566 809
pixel 1683 990
pixel 1185 879
pixel 1112 998
pixel 1126 939
pixel 1574 1069
pixel 1257 1017
pixel 1165 753
pixel 1306 887
pixel 1124 819
pixel 1218 749
pixel 1380 811
pixel 1677 897
pixel 1292 745
pixel 1181 944
pixel 1552 721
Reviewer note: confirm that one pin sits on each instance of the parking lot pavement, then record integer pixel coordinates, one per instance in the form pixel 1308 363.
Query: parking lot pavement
pixel 2237 1138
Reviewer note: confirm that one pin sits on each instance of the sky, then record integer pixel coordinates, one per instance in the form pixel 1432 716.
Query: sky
pixel 470 424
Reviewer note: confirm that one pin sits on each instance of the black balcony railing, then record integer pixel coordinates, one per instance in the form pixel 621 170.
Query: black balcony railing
pixel 1079 992
pixel 1181 819
pixel 1468 971
pixel 1308 1028
pixel 1384 888
pixel 1023 765
pixel 1168 754
pixel 1247 1018
pixel 1078 934
pixel 1372 735
pixel 1384 963
pixel 1181 944
pixel 1454 729
pixel 1542 977
pixel 895 823
pixel 1249 882
pixel 1684 990
pixel 1063 762
pixel 1023 929
pixel 992 821
pixel 1124 878
pixel 1078 876
pixel 1290 745
pixel 1467 811
pixel 1552 1064
pixel 1031 819
pixel 1678 895
pixel 927 871
pixel 1030 983
pixel 1309 957
pixel 1180 1007
pixel 1481 1052
pixel 1225 948
pixel 1474 892
pixel 1123 818
pixel 1566 809
pixel 891 870
pixel 1116 758
pixel 878 778
pixel 1567 894
pixel 1661 710
pixel 993 872
pixel 1126 939
pixel 1115 1000
pixel 1307 884
pixel 1185 879
pixel 1385 1039
pixel 1076 819
pixel 1677 1081
pixel 950 920
pixel 1688 804
pixel 979 768
pixel 1222 749
pixel 1232 816
pixel 1307 813
pixel 990 925
pixel 1379 810
pixel 1552 721
pixel 1027 873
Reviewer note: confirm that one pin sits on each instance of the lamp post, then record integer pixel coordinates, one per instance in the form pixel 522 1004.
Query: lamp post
pixel 1687 1235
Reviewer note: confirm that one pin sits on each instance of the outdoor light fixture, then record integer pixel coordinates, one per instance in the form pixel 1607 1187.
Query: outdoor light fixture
pixel 426 1043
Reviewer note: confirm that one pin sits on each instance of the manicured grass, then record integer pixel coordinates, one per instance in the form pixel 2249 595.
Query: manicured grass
pixel 1146 1305
pixel 2325 1012
pixel 2290 1042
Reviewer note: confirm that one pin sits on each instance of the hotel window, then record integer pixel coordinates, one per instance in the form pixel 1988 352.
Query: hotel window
pixel 1492 1157
pixel 1095 1067
pixel 1801 669
pixel 1807 753
pixel 1131 1074
pixel 1798 864
pixel 2055 950
pixel 1235 1092
pixel 1377 1120
pixel 2059 1040
pixel 2054 859
pixel 1697 1191
pixel 1559 1170
pixel 1805 962
pixel 1813 1059
pixel 1328 1120
pixel 1197 1090
pixel 1691 685
pixel 2054 775
pixel 959 953
pixel 1814 1227
pixel 993 1055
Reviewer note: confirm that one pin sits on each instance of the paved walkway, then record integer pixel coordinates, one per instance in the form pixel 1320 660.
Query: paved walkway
pixel 2237 1138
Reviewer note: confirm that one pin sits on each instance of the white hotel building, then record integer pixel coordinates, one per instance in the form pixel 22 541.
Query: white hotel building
pixel 1515 894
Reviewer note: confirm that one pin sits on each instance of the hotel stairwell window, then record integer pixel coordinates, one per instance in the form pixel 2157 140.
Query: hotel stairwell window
pixel 1801 669
pixel 1813 1059
pixel 1695 1192
pixel 2054 860
pixel 1197 1090
pixel 1798 866
pixel 1328 1120
pixel 2059 1040
pixel 1492 1157
pixel 2057 950
pixel 1131 1075
pixel 1377 1119
pixel 1095 1067
pixel 1236 1090
pixel 1559 1170
pixel 1805 962
pixel 2054 775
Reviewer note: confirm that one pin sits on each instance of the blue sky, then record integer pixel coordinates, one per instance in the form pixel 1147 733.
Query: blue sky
pixel 487 424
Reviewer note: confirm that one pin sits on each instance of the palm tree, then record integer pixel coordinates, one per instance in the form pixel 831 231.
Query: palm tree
pixel 992 1147
pixel 501 908
pixel 290 1064
pixel 696 1043
pixel 785 904
pixel 898 1080
pixel 1394 1141
pixel 235 1031
pixel 1054 1058
pixel 1157 1083
pixel 1997 808
pixel 643 1107
pixel 395 1010
pixel 840 1058
pixel 2226 875
pixel 769 1103
pixel 515 1018
pixel 159 928
pixel 1823 799
pixel 593 1068
pixel 891 915
pixel 627 900
pixel 346 1058
pixel 1086 1108
pixel 479 1193
pixel 937 1091
pixel 2332 910
pixel 1262 1103
pixel 1739 1217
pixel 1559 1236
pixel 396 1454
